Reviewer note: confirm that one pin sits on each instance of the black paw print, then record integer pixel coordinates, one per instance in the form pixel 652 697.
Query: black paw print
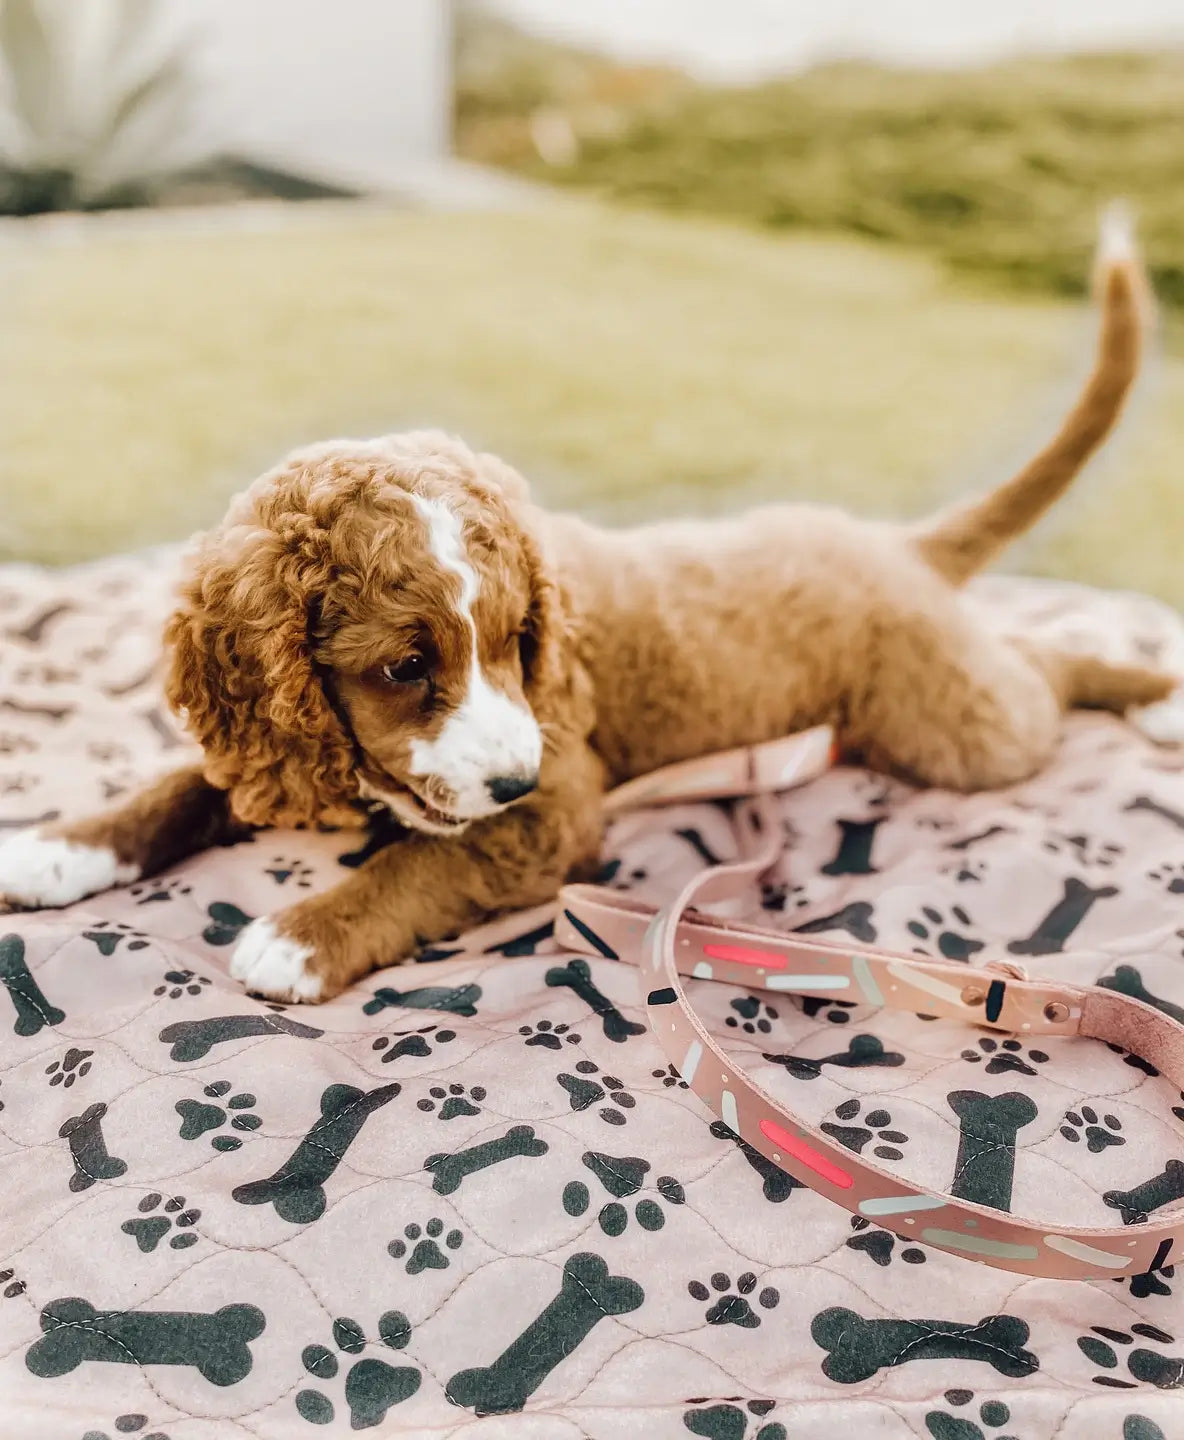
pixel 281 871
pixel 836 1011
pixel 1100 1134
pixel 372 1386
pixel 105 751
pixel 732 1306
pixel 1177 1110
pixel 74 1065
pixel 198 1118
pixel 150 1229
pixel 107 938
pixel 1084 850
pixel 584 1092
pixel 128 1425
pixel 426 1254
pixel 227 922
pixel 551 1037
pixel 1136 1062
pixel 944 1426
pixel 614 876
pixel 777 896
pixel 670 1078
pixel 1171 877
pixel 623 1176
pixel 1006 1058
pixel 728 1422
pixel 751 1015
pixel 456 1101
pixel 12 1286
pixel 1147 1367
pixel 180 982
pixel 933 929
pixel 156 891
pixel 968 872
pixel 880 1245
pixel 412 1042
pixel 874 1127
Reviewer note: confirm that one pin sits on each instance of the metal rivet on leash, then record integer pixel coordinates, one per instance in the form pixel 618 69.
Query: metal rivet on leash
pixel 1056 1011
pixel 973 995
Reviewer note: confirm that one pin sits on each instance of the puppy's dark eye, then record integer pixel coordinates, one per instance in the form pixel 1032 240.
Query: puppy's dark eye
pixel 406 672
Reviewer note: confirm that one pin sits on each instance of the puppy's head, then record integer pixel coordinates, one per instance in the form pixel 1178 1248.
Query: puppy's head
pixel 373 620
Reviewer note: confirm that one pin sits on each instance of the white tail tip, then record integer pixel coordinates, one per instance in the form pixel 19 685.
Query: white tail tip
pixel 1116 235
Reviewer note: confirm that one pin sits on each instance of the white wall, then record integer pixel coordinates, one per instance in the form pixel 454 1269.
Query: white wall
pixel 355 86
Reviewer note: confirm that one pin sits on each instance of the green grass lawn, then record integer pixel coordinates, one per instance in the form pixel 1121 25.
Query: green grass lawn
pixel 630 364
pixel 998 170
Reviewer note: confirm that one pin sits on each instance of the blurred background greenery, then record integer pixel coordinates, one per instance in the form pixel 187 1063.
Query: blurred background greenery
pixel 858 283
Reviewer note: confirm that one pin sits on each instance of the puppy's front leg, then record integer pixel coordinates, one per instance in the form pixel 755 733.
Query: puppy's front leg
pixel 55 865
pixel 419 890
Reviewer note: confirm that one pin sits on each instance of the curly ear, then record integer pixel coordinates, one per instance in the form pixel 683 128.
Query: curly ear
pixel 557 685
pixel 242 676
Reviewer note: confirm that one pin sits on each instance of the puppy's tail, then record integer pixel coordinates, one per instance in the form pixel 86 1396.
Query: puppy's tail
pixel 963 539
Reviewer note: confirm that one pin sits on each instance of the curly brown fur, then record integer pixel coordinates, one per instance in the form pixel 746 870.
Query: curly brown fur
pixel 395 620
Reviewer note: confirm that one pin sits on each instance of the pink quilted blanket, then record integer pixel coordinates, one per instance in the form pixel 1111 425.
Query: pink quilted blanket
pixel 469 1198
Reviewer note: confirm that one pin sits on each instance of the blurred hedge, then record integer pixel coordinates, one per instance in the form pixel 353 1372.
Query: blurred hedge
pixel 1000 170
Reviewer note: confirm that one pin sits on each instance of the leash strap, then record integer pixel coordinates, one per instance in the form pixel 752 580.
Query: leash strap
pixel 680 940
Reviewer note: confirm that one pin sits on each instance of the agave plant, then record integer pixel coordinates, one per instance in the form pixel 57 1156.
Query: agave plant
pixel 96 99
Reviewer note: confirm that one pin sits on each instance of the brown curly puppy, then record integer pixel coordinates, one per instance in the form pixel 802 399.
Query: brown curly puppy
pixel 393 621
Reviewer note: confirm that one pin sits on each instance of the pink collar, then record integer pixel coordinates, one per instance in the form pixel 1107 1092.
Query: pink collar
pixel 679 940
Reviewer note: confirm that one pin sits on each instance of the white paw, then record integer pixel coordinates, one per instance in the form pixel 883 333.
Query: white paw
pixel 44 872
pixel 1163 722
pixel 270 964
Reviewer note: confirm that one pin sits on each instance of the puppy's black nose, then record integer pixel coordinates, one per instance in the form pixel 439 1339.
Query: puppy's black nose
pixel 504 788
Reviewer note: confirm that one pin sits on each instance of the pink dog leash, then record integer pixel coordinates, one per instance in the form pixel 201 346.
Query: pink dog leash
pixel 680 940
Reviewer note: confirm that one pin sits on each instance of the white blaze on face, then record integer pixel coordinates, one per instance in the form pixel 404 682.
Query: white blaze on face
pixel 487 736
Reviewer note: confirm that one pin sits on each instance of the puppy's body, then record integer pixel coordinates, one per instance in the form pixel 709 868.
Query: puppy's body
pixel 394 620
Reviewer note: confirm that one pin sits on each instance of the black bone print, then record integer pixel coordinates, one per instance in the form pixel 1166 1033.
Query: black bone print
pixel 1063 919
pixel 777 1185
pixel 1153 807
pixel 194 1039
pixel 576 975
pixel 1128 981
pixel 985 1168
pixel 855 919
pixel 449 1171
pixel 453 999
pixel 297 1189
pixel 155 719
pixel 43 712
pixel 854 855
pixel 1136 1204
pixel 33 632
pixel 587 1295
pixel 22 822
pixel 857 1348
pixel 216 1345
pixel 700 846
pixel 525 944
pixel 227 923
pixel 88 1149
pixel 33 1010
pixel 862 1052
pixel 968 841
